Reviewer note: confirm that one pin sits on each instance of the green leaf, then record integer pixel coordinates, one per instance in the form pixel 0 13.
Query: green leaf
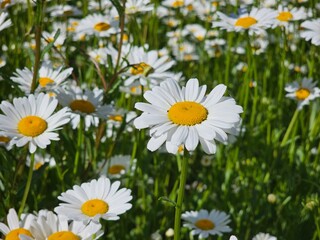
pixel 50 45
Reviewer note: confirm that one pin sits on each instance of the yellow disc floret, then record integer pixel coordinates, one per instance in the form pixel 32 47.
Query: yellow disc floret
pixel 178 3
pixel 204 224
pixel 245 22
pixel 302 93
pixel 63 235
pixel 82 106
pixel 142 69
pixel 43 81
pixel 284 16
pixel 94 206
pixel 116 169
pixel 32 126
pixel 101 26
pixel 14 234
pixel 187 113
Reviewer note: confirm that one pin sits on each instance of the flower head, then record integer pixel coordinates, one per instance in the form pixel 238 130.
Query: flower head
pixel 49 226
pixel 94 200
pixel 311 31
pixel 186 116
pixel 303 92
pixel 15 226
pixel 204 223
pixel 264 236
pixel 31 120
pixel 256 21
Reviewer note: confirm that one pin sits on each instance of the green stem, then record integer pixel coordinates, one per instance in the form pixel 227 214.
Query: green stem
pixel 177 217
pixel 27 188
pixel 79 141
pixel 289 129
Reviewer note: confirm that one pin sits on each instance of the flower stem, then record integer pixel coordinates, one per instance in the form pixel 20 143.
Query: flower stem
pixel 177 217
pixel 27 188
pixel 79 142
pixel 289 129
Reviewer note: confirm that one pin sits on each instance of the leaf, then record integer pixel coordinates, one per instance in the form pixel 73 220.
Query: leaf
pixel 166 199
pixel 117 4
pixel 50 45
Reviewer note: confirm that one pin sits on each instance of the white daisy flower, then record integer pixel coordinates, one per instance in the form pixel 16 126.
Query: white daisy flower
pixel 176 3
pixel 50 80
pixel 116 166
pixel 15 226
pixel 4 23
pixel 86 103
pixel 264 236
pixel 311 31
pixel 40 160
pixel 117 119
pixel 31 120
pixel 255 21
pixel 286 15
pixel 186 116
pixel 49 226
pixel 147 67
pixel 94 200
pixel 5 140
pixel 204 223
pixel 303 92
pixel 135 6
pixel 64 11
pixel 98 25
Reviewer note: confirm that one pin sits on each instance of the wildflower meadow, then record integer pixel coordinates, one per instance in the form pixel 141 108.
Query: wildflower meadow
pixel 159 119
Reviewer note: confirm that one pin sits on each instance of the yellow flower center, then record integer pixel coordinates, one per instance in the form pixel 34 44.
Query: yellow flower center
pixel 187 113
pixel 204 224
pixel 43 81
pixel 4 3
pixel 141 68
pixel 38 165
pixel 117 118
pixel 63 235
pixel 82 106
pixel 4 139
pixel 94 206
pixel 116 169
pixel 14 234
pixel 101 26
pixel 245 22
pixel 178 3
pixel 190 7
pixel 32 126
pixel 302 93
pixel 285 16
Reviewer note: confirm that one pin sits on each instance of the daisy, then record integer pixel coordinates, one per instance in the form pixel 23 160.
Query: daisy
pixel 311 31
pixel 49 226
pixel 16 226
pixel 64 11
pixel 50 79
pixel 120 119
pixel 116 166
pixel 255 21
pixel 303 92
pixel 135 6
pixel 147 67
pixel 40 160
pixel 205 223
pixel 5 140
pixel 286 15
pixel 86 103
pixel 98 25
pixel 3 22
pixel 186 116
pixel 31 120
pixel 94 200
pixel 264 236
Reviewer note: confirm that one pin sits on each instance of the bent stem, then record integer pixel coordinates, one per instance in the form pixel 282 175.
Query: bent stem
pixel 177 217
pixel 27 188
pixel 289 129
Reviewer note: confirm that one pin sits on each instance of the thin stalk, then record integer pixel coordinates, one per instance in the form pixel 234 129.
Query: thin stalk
pixel 27 188
pixel 177 217
pixel 79 142
pixel 289 129
pixel 38 29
